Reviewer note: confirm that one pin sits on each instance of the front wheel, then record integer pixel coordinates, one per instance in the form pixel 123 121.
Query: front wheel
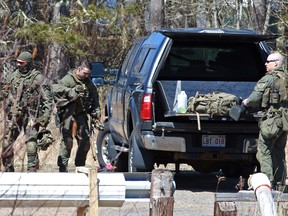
pixel 106 152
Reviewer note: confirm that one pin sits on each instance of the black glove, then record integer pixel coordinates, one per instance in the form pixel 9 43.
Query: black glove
pixel 96 114
pixel 96 123
pixel 44 139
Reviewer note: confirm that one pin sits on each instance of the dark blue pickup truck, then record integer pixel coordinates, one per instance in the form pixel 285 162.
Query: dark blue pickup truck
pixel 142 126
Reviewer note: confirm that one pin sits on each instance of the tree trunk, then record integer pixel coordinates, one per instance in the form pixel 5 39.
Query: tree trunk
pixel 260 10
pixel 55 63
pixel 156 14
pixel 201 15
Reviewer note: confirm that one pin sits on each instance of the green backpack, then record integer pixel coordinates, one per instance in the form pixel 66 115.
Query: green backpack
pixel 214 104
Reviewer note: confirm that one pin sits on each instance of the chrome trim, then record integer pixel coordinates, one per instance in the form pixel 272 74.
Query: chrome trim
pixel 176 144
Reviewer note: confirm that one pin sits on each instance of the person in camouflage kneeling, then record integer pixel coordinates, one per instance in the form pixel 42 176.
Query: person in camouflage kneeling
pixel 28 101
pixel 76 97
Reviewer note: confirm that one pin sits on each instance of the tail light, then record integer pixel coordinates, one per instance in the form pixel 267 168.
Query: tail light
pixel 146 108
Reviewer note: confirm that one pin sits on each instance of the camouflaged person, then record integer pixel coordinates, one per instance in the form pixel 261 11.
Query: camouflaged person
pixel 76 97
pixel 28 101
pixel 270 95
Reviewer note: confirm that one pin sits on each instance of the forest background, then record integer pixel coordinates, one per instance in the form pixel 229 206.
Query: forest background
pixel 59 32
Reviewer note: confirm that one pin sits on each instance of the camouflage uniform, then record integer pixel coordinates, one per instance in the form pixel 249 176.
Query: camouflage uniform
pixel 28 103
pixel 75 99
pixel 270 152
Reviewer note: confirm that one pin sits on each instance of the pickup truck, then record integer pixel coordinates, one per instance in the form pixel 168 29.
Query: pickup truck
pixel 142 126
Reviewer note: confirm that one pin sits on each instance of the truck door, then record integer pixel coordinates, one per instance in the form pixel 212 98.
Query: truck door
pixel 143 67
pixel 116 117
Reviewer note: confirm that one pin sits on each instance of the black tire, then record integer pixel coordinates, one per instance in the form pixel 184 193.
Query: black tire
pixel 131 167
pixel 106 153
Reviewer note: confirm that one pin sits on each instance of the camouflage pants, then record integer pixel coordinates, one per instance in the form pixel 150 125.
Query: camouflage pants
pixel 12 131
pixel 271 156
pixel 81 135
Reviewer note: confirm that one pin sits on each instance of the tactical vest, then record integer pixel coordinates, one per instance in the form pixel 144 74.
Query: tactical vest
pixel 24 91
pixel 277 94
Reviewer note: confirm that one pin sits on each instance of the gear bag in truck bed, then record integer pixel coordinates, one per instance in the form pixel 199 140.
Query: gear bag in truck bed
pixel 214 104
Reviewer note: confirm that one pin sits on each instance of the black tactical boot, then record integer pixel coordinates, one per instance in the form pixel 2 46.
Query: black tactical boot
pixel 8 165
pixel 9 169
pixel 62 167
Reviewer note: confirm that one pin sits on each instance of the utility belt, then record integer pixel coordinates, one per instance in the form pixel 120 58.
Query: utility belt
pixel 271 112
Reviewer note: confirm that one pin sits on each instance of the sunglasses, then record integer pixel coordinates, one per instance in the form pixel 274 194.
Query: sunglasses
pixel 21 63
pixel 268 61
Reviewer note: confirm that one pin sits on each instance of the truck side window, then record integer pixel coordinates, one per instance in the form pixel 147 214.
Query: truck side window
pixel 140 60
pixel 128 63
pixel 129 58
pixel 148 61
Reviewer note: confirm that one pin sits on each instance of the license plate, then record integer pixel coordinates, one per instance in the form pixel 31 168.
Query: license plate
pixel 213 140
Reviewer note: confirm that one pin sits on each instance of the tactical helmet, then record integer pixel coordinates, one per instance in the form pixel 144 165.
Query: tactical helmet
pixel 25 56
pixel 44 139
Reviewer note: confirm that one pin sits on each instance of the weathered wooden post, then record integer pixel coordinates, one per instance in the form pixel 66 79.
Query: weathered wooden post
pixel 225 209
pixel 93 192
pixel 93 195
pixel 161 195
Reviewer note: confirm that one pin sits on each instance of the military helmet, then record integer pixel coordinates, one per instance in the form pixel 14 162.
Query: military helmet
pixel 25 56
pixel 44 139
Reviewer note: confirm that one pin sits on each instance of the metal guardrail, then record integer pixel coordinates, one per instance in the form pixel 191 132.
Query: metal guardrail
pixel 72 189
pixel 87 188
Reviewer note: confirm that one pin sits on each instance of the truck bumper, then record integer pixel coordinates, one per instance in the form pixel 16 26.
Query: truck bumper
pixel 179 144
pixel 161 143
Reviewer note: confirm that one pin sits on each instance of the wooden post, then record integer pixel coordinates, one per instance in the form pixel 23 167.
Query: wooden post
pixel 161 196
pixel 81 211
pixel 93 198
pixel 225 209
pixel 282 208
pixel 93 192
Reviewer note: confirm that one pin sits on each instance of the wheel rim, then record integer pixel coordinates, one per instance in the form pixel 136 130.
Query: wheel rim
pixel 104 149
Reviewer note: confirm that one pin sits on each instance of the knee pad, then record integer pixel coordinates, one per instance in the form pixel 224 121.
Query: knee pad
pixel 31 148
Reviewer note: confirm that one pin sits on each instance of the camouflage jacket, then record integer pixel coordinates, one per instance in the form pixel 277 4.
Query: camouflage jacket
pixel 266 83
pixel 27 93
pixel 66 96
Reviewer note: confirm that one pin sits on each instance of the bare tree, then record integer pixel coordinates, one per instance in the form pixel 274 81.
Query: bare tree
pixel 260 10
pixel 156 14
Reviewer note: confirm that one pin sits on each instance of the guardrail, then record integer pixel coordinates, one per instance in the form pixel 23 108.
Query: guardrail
pixel 82 189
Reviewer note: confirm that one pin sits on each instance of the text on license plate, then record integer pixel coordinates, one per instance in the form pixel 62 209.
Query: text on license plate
pixel 213 140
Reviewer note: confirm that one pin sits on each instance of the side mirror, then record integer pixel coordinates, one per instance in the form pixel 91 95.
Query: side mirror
pixel 98 81
pixel 97 70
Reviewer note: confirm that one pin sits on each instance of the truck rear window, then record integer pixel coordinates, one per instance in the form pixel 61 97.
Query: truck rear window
pixel 213 61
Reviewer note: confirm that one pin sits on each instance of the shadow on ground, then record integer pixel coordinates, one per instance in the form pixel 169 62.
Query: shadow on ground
pixel 212 182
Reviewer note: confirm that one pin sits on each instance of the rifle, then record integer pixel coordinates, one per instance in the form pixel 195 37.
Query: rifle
pixel 95 124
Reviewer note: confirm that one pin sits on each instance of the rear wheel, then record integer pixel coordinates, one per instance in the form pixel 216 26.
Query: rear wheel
pixel 106 152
